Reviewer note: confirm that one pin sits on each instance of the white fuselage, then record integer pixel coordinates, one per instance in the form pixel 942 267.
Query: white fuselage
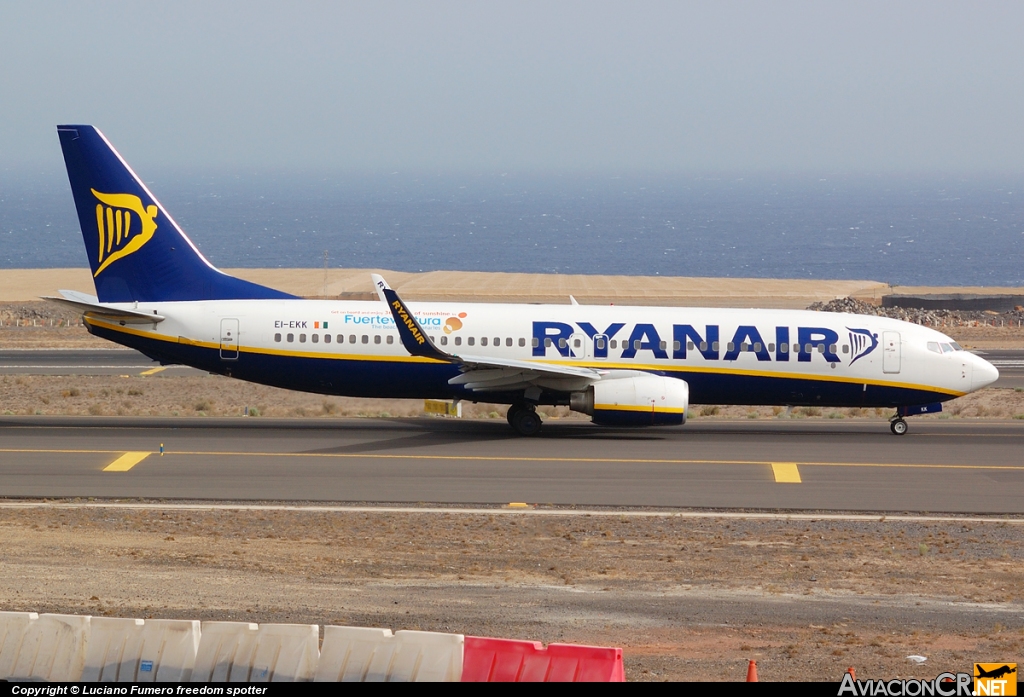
pixel 737 356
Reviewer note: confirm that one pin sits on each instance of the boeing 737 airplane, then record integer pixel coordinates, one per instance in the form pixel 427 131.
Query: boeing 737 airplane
pixel 623 366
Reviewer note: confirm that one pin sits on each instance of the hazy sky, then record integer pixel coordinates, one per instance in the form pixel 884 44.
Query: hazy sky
pixel 486 86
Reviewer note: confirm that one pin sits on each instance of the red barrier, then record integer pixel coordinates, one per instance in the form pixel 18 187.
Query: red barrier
pixel 508 660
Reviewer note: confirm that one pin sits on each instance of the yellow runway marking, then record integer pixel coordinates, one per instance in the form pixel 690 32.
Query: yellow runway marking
pixel 786 473
pixel 126 461
pixel 153 371
pixel 501 458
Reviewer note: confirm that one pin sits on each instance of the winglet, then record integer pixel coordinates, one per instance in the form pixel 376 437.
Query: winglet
pixel 414 338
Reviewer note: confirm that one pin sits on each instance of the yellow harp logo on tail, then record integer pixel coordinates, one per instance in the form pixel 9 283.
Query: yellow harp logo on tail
pixel 124 225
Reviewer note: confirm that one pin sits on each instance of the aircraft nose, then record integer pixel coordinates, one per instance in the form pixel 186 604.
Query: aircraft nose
pixel 984 373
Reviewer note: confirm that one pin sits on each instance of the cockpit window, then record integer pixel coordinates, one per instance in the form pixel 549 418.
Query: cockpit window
pixel 946 348
pixel 956 346
pixel 933 346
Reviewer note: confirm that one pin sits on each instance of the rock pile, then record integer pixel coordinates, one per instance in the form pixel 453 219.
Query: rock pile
pixel 929 318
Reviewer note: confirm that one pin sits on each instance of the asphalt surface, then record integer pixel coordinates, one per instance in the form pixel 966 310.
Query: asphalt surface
pixel 1010 363
pixel 939 466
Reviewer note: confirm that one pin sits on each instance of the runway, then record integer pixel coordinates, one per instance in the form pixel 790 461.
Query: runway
pixel 940 466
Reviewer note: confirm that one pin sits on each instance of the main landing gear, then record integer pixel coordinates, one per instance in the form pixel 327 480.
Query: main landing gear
pixel 897 425
pixel 523 418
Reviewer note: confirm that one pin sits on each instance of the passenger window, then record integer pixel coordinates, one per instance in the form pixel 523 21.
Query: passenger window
pixel 277 338
pixel 575 343
pixel 508 341
pixel 376 338
pixel 302 338
pixel 807 348
pixel 458 341
pixel 615 343
pixel 783 348
pixel 444 341
pixel 562 343
pixel 730 346
pixel 291 338
pixel 704 346
pixel 832 348
pixel 366 339
pixel 341 338
pixel 771 347
pixel 522 341
pixel 391 338
pixel 690 345
pixel 821 348
pixel 351 338
pixel 483 341
pixel 327 338
pixel 757 347
pixel 636 344
pixel 497 341
pixel 846 348
pixel 676 345
pixel 315 338
pixel 714 345
pixel 600 344
pixel 662 345
pixel 471 340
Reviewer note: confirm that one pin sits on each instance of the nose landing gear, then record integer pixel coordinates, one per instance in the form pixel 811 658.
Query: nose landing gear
pixel 897 425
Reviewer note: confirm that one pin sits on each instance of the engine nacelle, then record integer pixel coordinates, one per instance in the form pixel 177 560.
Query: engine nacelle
pixel 648 400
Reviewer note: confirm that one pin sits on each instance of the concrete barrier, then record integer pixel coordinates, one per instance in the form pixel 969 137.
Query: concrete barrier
pixel 13 626
pixel 52 648
pixel 248 652
pixel 131 650
pixel 358 654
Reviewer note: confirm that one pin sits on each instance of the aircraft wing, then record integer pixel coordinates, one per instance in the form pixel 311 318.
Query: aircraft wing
pixel 91 306
pixel 480 373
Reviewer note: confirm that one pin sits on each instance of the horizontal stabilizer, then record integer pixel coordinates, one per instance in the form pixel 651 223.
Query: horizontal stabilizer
pixel 92 307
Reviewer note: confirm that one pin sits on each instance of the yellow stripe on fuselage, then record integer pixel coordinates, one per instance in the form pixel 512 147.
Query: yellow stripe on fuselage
pixel 638 407
pixel 596 365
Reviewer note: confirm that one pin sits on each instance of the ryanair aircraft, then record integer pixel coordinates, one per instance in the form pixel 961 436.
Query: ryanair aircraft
pixel 624 366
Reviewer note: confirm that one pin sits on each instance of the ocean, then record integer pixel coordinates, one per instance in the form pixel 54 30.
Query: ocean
pixel 900 230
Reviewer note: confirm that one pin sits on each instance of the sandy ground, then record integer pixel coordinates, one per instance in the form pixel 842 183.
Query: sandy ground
pixel 20 285
pixel 688 599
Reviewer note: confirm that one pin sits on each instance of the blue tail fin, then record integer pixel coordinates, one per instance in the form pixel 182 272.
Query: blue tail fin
pixel 136 251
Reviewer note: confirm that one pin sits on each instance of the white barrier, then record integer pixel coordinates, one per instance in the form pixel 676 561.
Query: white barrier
pixel 127 650
pixel 357 654
pixel 13 626
pixel 52 648
pixel 247 652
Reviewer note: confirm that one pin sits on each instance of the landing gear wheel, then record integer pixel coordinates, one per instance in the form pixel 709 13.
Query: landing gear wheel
pixel 898 426
pixel 526 422
pixel 512 411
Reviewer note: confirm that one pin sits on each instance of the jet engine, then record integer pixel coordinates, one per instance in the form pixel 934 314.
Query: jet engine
pixel 647 400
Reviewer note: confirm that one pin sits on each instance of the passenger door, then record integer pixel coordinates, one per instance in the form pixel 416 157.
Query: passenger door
pixel 890 352
pixel 229 339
